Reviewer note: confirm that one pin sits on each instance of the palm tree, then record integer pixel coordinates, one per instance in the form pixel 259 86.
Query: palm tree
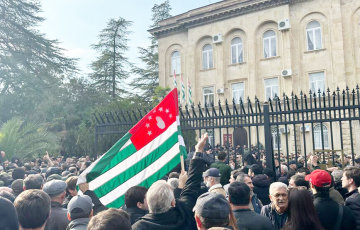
pixel 26 139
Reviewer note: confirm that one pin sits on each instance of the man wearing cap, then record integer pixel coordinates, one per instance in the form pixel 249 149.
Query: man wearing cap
pixel 351 181
pixel 58 220
pixel 79 212
pixel 333 216
pixel 212 210
pixel 212 181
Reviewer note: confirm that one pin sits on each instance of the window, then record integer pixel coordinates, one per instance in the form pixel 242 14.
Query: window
pixel 313 33
pixel 210 137
pixel 318 139
pixel 238 92
pixel 236 51
pixel 271 88
pixel 269 44
pixel 275 133
pixel 175 63
pixel 208 95
pixel 208 57
pixel 317 82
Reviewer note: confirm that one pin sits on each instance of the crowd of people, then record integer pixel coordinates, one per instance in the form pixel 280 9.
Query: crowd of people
pixel 220 188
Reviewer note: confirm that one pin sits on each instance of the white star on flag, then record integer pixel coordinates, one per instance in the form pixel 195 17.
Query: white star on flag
pixel 170 116
pixel 147 125
pixel 167 110
pixel 149 133
pixel 150 117
pixel 161 109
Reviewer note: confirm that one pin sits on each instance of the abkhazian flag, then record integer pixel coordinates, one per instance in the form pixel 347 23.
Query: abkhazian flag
pixel 175 83
pixel 189 88
pixel 182 90
pixel 151 149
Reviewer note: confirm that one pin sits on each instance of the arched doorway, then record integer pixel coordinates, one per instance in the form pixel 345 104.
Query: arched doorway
pixel 240 137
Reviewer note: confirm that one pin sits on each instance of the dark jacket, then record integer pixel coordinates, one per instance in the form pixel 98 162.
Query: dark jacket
pixel 256 204
pixel 328 210
pixel 78 224
pixel 249 220
pixel 353 202
pixel 261 188
pixel 181 216
pixel 276 219
pixel 58 217
pixel 225 171
pixel 135 213
pixel 97 205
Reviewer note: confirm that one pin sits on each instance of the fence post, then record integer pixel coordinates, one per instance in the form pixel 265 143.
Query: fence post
pixel 268 137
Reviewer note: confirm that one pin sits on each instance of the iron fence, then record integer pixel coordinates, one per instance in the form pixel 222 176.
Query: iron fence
pixel 295 125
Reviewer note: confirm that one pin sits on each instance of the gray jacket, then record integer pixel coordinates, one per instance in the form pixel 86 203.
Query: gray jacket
pixel 58 217
pixel 78 224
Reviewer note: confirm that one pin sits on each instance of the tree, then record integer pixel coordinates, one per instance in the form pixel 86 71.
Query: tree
pixel 148 77
pixel 110 67
pixel 26 139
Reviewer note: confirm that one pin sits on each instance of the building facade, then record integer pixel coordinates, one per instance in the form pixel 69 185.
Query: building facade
pixel 264 48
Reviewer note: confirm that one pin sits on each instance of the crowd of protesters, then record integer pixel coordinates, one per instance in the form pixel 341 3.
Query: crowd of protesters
pixel 221 188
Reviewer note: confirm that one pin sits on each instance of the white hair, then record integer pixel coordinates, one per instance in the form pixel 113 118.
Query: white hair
pixel 173 182
pixel 284 168
pixel 276 186
pixel 159 197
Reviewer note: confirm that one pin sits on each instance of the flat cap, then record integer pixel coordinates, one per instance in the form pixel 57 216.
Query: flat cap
pixel 82 203
pixel 17 186
pixel 54 177
pixel 213 172
pixel 212 206
pixel 54 187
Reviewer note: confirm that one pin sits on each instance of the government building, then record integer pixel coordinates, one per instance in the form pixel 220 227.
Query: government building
pixel 264 48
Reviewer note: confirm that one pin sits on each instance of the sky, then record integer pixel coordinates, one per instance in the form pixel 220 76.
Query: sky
pixel 76 24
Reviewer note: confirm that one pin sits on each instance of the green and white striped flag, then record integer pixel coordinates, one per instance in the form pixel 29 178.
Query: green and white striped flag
pixel 144 155
pixel 189 88
pixel 182 90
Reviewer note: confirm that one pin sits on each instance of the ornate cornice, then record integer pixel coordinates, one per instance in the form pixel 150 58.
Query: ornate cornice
pixel 212 13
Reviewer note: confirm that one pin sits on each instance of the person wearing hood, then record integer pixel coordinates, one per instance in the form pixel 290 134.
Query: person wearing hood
pixel 261 188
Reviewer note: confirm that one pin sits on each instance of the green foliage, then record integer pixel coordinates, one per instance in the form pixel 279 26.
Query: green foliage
pixel 26 139
pixel 148 77
pixel 109 70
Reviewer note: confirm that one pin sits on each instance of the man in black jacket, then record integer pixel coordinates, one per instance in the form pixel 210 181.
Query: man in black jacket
pixel 327 208
pixel 135 201
pixel 239 198
pixel 166 213
pixel 351 181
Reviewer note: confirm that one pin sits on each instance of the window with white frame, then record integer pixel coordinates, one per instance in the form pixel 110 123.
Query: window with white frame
pixel 238 91
pixel 208 95
pixel 236 51
pixel 313 33
pixel 271 88
pixel 269 44
pixel 207 57
pixel 319 139
pixel 317 82
pixel 176 63
pixel 275 133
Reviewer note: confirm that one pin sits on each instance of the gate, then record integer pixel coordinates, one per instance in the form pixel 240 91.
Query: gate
pixel 288 127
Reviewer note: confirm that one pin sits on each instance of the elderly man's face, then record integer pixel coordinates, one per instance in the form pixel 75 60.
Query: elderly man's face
pixel 248 181
pixel 279 198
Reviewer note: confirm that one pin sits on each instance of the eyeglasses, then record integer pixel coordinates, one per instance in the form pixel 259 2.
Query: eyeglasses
pixel 278 195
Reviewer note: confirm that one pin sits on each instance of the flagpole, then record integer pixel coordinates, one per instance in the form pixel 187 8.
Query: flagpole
pixel 175 83
pixel 183 99
pixel 189 92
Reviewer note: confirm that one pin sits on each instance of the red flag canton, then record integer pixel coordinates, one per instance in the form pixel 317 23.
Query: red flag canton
pixel 156 121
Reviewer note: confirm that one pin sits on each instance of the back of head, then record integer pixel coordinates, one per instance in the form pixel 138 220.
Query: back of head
pixel 301 211
pixel 53 170
pixel 33 208
pixel 134 195
pixel 268 172
pixel 8 216
pixel 111 219
pixel 337 174
pixel 174 175
pixel 256 169
pixel 80 206
pixel 18 173
pixel 173 182
pixel 222 156
pixel 34 181
pixel 299 181
pixel 239 193
pixel 17 186
pixel 7 195
pixel 73 170
pixel 71 182
pixel 159 197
